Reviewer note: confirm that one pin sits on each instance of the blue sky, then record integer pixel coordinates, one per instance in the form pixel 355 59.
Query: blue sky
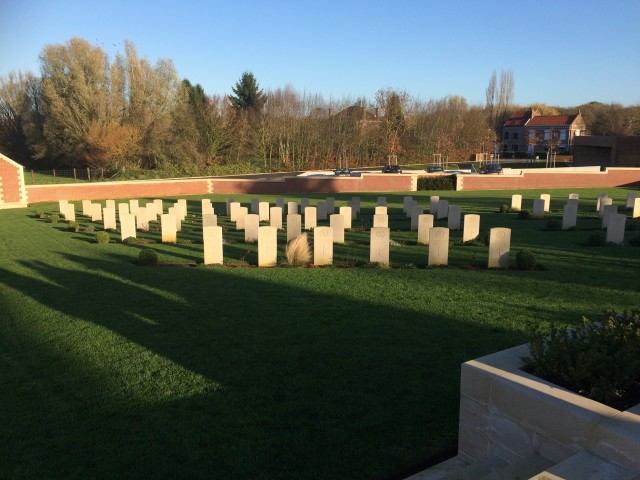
pixel 561 53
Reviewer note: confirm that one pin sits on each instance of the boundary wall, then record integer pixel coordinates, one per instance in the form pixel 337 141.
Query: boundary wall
pixel 13 193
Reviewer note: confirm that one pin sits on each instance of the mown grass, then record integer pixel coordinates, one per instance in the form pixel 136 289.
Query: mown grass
pixel 108 369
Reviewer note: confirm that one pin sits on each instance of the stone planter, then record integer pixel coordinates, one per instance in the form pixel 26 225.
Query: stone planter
pixel 510 414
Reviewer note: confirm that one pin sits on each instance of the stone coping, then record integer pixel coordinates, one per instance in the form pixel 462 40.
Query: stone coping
pixel 510 413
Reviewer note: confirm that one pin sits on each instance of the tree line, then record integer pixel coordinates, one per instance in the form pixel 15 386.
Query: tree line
pixel 85 110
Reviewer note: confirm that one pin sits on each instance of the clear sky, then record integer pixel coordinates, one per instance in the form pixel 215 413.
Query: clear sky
pixel 561 53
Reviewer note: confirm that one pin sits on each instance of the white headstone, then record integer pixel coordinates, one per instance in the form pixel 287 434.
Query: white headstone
pixel 573 201
pixel 168 227
pixel 607 211
pixel 631 198
pixel 209 220
pixel 381 202
pixel 304 203
pixel 142 219
pixel 255 206
pixel 380 221
pixel 636 208
pixel 336 222
pixel 355 204
pixel 176 216
pixel 294 226
pixel 433 204
pixel 453 219
pixel 569 216
pixel 310 218
pixel 280 203
pixel 96 212
pixel 615 228
pixel 547 201
pixel 110 204
pixel 603 203
pixel 410 206
pixel 601 195
pixel 379 245
pixel 574 196
pixel 381 210
pixel 152 212
pixel 109 218
pixel 538 208
pixel 406 201
pixel 86 208
pixel 240 217
pixel 516 202
pixel 70 212
pixel 133 205
pixel 292 208
pixel 251 225
pixel 346 213
pixel 263 211
pixel 471 229
pixel 499 247
pixel 443 209
pixel 321 211
pixel 159 206
pixel 323 246
pixel 208 209
pixel 439 246
pixel 275 217
pixel 351 205
pixel 268 246
pixel 234 208
pixel 416 211
pixel 229 201
pixel 182 208
pixel 425 224
pixel 212 244
pixel 123 209
pixel 62 205
pixel 331 205
pixel 127 226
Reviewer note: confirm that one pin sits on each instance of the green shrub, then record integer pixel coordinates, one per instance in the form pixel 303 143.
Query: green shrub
pixel 526 260
pixel 148 257
pixel 597 239
pixel 554 225
pixel 504 208
pixel 137 241
pixel 102 237
pixel 440 182
pixel 524 215
pixel 90 228
pixel 73 226
pixel 598 359
pixel 40 214
pixel 54 218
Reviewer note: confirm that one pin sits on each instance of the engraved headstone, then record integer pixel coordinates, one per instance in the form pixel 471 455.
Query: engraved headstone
pixel 381 210
pixel 212 244
pixel 355 204
pixel 175 211
pixel 425 224
pixel 182 208
pixel 453 220
pixel 439 246
pixel 240 216
pixel 547 201
pixel 406 201
pixel 499 247
pixel 168 227
pixel 336 222
pixel 569 216
pixel 323 246
pixel 321 211
pixel 62 206
pixel 636 208
pixel 294 226
pixel 234 208
pixel 275 217
pixel 127 226
pixel 410 205
pixel 229 201
pixel 331 205
pixel 599 198
pixel 152 212
pixel 353 210
pixel 380 221
pixel 209 220
pixel 86 208
pixel 133 206
pixel 471 229
pixel 347 213
pixel 615 228
pixel 123 209
pixel 280 203
pixel 96 212
pixel 603 203
pixel 70 212
pixel 159 206
pixel 304 203
pixel 574 196
pixel 573 201
pixel 538 208
pixel 142 219
pixel 516 202
pixel 443 209
pixel 379 245
pixel 251 225
pixel 110 204
pixel 310 218
pixel 415 215
pixel 263 211
pixel 109 218
pixel 268 246
pixel 631 198
pixel 292 208
pixel 208 209
pixel 381 202
pixel 255 206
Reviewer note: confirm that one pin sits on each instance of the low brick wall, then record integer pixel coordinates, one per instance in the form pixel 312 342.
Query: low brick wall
pixel 12 188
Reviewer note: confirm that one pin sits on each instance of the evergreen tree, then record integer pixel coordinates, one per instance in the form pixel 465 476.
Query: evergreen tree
pixel 247 95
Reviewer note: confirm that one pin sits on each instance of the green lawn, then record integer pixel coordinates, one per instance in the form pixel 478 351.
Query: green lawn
pixel 111 370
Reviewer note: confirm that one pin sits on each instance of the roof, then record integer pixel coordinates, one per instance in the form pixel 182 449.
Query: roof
pixel 518 119
pixel 553 120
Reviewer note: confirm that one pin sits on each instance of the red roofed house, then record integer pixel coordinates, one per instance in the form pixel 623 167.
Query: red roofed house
pixel 531 132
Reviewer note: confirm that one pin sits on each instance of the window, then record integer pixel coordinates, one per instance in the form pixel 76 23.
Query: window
pixel 506 135
pixel 546 134
pixel 515 135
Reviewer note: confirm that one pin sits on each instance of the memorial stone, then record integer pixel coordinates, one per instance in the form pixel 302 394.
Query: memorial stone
pixel 569 216
pixel 538 208
pixel 86 208
pixel 499 247
pixel 601 195
pixel 331 205
pixel 96 212
pixel 142 219
pixel 62 205
pixel 275 217
pixel 347 213
pixel 433 204
pixel 381 202
pixel 255 206
pixel 471 227
pixel 133 206
pixel 516 202
pixel 234 209
pixel 573 201
pixel 410 205
pixel 294 226
pixel 123 209
pixel 415 216
pixel 355 204
pixel 159 206
pixel 615 228
pixel 182 206
pixel 607 211
pixel 229 202
pixel 336 222
pixel 406 202
pixel 263 211
pixel 631 198
pixel 168 228
pixel 636 208
pixel 109 218
pixel 209 220
pixel 381 210
pixel 280 203
pixel 425 224
pixel 251 225
pixel 127 226
pixel 547 201
pixel 212 244
pixel 310 218
pixel 603 203
pixel 574 196
pixel 304 203
pixel 323 246
pixel 379 245
pixel 176 215
pixel 152 212
pixel 70 212
pixel 110 204
pixel 380 221
pixel 292 208
pixel 453 219
pixel 443 209
pixel 321 211
pixel 241 215
pixel 439 246
pixel 268 246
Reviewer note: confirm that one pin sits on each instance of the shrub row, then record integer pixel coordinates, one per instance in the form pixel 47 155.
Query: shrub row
pixel 441 182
